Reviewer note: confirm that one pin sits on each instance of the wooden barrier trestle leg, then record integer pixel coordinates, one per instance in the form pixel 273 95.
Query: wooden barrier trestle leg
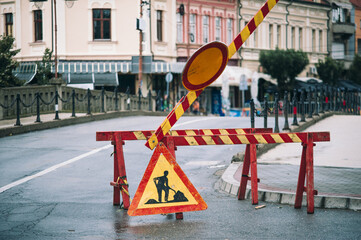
pixel 120 183
pixel 306 174
pixel 250 161
pixel 254 180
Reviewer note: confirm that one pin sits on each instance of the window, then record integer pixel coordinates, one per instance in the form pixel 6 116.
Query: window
pixel 192 28
pixel 255 38
pixel 340 15
pixel 246 42
pixel 38 25
pixel 293 45
pixel 218 28
pixel 278 36
pixel 8 24
pixel 205 29
pixel 313 46
pixel 229 30
pixel 179 28
pixel 159 25
pixel 270 27
pixel 320 39
pixel 101 24
pixel 300 38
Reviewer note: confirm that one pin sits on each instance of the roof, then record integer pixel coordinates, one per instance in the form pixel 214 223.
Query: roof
pixel 356 3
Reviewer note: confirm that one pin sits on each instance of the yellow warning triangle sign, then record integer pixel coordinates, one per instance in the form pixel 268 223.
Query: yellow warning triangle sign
pixel 165 188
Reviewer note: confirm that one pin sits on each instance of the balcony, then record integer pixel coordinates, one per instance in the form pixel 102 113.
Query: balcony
pixel 343 30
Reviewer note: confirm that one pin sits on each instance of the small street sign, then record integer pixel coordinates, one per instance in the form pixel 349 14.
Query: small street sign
pixel 169 77
pixel 165 188
pixel 243 83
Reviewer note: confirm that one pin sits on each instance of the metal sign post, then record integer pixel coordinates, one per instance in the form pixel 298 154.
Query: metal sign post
pixel 242 87
pixel 168 79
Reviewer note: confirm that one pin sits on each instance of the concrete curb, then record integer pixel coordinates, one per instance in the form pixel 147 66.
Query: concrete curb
pixel 14 130
pixel 230 186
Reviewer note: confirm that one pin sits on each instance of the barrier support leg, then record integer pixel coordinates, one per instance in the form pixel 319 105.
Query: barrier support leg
pixel 309 173
pixel 254 179
pixel 169 143
pixel 244 178
pixel 119 171
pixel 301 178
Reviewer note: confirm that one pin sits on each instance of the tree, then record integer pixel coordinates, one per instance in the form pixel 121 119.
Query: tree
pixel 43 73
pixel 330 71
pixel 7 62
pixel 354 73
pixel 283 65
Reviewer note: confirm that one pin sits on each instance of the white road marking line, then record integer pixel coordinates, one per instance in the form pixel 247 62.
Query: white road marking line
pixel 50 169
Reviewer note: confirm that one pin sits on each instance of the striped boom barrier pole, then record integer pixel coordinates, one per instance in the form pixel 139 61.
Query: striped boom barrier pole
pixel 172 118
pixel 144 135
pixel 250 27
pixel 254 138
pixel 187 101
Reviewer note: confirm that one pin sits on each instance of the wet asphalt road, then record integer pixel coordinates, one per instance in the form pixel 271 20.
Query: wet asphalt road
pixel 73 200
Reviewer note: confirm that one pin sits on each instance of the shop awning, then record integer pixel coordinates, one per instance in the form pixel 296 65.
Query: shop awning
pixel 233 76
pixel 94 67
pixel 25 72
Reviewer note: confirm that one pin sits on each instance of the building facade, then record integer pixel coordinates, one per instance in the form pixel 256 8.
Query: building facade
pixel 341 40
pixel 357 20
pixel 97 41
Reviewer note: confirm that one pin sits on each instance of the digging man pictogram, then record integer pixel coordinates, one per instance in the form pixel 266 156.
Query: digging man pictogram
pixel 162 185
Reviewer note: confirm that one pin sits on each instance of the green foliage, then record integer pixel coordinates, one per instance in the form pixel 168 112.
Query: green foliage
pixel 43 73
pixel 354 73
pixel 7 62
pixel 283 65
pixel 330 71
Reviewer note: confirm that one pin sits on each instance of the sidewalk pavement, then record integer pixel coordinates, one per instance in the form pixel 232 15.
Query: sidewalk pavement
pixel 337 167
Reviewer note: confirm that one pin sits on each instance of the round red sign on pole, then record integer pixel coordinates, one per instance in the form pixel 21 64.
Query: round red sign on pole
pixel 205 66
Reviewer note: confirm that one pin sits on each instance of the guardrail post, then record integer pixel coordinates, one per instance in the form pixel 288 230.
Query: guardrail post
pixel 294 103
pixel 159 102
pixel 17 110
pixel 276 107
pixel 102 101
pixel 150 100
pixel 322 110
pixel 56 106
pixel 285 111
pixel 303 106
pixel 116 99
pixel 139 99
pixel 38 108
pixel 265 112
pixel 73 103
pixel 316 102
pixel 252 113
pixel 343 101
pixel 89 96
pixel 309 98
pixel 128 98
pixel 358 102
